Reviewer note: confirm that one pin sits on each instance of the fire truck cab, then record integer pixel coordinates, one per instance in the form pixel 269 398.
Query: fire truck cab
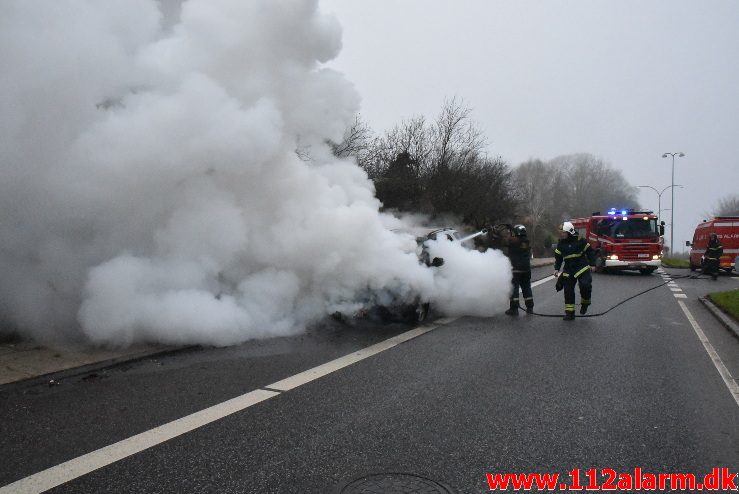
pixel 624 239
pixel 726 229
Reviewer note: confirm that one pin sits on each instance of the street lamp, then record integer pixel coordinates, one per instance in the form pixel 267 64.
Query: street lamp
pixel 672 195
pixel 659 197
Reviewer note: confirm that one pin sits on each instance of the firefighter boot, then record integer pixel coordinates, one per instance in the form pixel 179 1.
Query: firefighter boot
pixel 569 315
pixel 584 307
pixel 513 311
pixel 529 306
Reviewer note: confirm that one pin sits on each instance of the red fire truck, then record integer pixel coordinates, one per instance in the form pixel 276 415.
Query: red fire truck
pixel 624 239
pixel 726 229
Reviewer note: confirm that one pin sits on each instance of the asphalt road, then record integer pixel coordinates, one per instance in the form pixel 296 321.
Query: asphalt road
pixel 633 388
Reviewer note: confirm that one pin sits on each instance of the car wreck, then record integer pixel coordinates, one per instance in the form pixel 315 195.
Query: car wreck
pixel 384 308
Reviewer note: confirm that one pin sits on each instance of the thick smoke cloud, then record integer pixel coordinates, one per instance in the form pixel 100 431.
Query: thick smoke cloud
pixel 151 187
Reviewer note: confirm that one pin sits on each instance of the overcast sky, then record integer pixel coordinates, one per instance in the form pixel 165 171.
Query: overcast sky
pixel 624 80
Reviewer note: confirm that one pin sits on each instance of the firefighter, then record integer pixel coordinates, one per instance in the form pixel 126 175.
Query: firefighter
pixel 576 260
pixel 712 256
pixel 519 253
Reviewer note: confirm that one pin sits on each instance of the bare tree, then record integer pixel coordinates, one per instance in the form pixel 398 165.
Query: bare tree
pixel 438 168
pixel 727 206
pixel 358 142
pixel 457 141
pixel 593 185
pixel 457 154
pixel 412 137
pixel 565 187
pixel 533 189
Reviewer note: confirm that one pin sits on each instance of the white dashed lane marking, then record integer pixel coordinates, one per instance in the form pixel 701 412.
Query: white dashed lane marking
pixel 674 288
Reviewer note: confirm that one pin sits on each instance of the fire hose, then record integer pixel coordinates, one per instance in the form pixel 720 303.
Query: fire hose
pixel 507 226
pixel 613 307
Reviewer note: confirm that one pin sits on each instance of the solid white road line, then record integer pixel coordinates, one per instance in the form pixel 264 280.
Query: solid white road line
pixel 55 476
pixel 445 320
pixel 70 470
pixel 329 367
pixel 715 358
pixel 541 281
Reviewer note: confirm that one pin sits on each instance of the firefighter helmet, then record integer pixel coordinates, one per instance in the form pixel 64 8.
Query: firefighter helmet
pixel 519 230
pixel 569 228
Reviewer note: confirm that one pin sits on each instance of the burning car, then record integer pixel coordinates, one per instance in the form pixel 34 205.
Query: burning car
pixel 418 310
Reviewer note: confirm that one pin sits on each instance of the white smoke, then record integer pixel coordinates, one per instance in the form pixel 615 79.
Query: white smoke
pixel 470 282
pixel 151 190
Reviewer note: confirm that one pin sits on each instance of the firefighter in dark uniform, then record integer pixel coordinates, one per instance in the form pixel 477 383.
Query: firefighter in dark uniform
pixel 519 253
pixel 712 257
pixel 576 260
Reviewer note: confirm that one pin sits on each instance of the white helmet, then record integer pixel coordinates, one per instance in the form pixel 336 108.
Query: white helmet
pixel 569 228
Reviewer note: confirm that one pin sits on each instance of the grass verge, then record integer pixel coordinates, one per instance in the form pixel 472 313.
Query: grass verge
pixel 674 262
pixel 727 301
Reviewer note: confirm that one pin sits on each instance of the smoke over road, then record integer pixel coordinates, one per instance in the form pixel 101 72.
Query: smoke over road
pixel 151 187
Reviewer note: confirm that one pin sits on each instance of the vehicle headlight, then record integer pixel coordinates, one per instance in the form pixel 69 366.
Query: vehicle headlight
pixel 655 257
pixel 614 257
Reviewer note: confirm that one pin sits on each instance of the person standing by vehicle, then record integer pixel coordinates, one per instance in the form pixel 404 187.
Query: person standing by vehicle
pixel 576 260
pixel 519 253
pixel 713 256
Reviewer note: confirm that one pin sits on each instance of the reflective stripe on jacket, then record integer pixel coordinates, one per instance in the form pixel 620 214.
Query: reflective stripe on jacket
pixel 576 255
pixel 714 251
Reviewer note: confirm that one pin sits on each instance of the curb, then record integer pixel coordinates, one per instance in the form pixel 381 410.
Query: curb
pixel 52 378
pixel 55 376
pixel 721 316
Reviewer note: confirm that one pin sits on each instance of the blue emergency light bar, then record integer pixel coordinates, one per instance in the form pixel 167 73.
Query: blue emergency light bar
pixel 625 212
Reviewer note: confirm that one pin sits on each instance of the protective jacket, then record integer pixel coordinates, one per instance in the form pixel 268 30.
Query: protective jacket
pixel 714 251
pixel 519 252
pixel 576 255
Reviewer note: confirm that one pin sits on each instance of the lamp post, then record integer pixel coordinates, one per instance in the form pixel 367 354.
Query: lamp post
pixel 672 195
pixel 659 196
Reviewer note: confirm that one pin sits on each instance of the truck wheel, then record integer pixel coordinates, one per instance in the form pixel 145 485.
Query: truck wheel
pixel 646 271
pixel 693 267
